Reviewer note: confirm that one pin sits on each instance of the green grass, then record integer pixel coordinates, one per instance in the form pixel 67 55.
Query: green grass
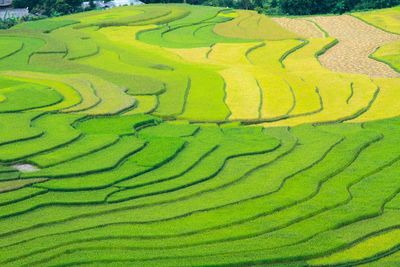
pixel 51 44
pixel 198 249
pixel 250 25
pixel 216 108
pixel 194 151
pixel 6 169
pixel 169 130
pixel 46 26
pixel 356 141
pixel 78 44
pixel 115 125
pixel 19 195
pixel 47 198
pixel 234 133
pixel 79 83
pixel 9 47
pixel 184 33
pixel 105 159
pixel 144 104
pixel 17 127
pixel 113 99
pixel 86 145
pixel 149 14
pixel 5 176
pixel 110 61
pixel 12 185
pixel 68 96
pixel 28 96
pixel 137 83
pixel 6 83
pixel 19 61
pixel 367 249
pixel 146 159
pixel 57 131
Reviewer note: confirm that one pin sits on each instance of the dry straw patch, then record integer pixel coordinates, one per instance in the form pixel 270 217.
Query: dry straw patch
pixel 300 27
pixel 357 40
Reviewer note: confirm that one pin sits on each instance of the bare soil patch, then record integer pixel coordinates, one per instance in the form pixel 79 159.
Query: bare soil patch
pixel 25 167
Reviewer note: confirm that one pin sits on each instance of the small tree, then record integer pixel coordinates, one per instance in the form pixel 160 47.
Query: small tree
pixel 91 4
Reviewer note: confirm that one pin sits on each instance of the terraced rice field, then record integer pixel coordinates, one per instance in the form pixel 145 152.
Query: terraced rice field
pixel 177 135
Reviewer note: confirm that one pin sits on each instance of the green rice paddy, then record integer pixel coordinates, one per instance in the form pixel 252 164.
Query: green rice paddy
pixel 177 135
